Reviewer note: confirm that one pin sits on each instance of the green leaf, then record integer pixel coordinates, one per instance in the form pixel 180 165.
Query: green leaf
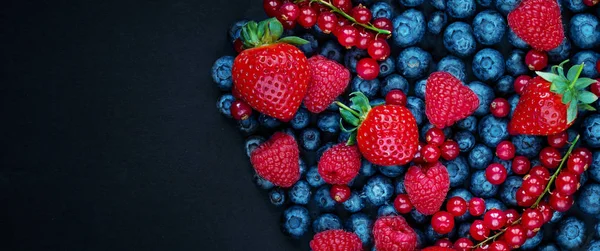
pixel 587 97
pixel 349 117
pixel 548 76
pixel 352 139
pixel 377 102
pixel 586 107
pixel 561 65
pixel 360 102
pixel 293 40
pixel 583 83
pixel 275 28
pixel 260 31
pixel 573 72
pixel 559 86
pixel 572 112
pixel 567 97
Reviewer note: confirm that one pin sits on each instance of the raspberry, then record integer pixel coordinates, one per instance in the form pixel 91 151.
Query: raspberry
pixel 427 187
pixel 328 80
pixel 339 164
pixel 277 160
pixel 336 240
pixel 392 233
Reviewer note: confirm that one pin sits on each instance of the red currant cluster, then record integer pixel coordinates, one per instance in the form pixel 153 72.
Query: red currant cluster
pixel 352 25
pixel 436 146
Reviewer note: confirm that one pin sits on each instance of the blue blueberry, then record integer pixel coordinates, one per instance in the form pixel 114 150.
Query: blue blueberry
pixel 491 203
pixel 572 133
pixel 329 122
pixel 459 39
pixel 326 222
pixel 589 199
pixel 392 171
pixel 295 221
pixel 235 29
pixel 485 94
pixel 420 88
pixel 301 119
pixel 262 183
pixel 489 27
pixel 221 72
pixel 367 168
pixel 460 8
pixel 417 108
pixel 463 229
pixel 413 62
pixel 300 193
pixel 333 107
pixel 589 58
pixel 460 192
pixel 548 247
pixel 593 245
pixel 355 203
pixel 480 157
pixel 311 47
pixel 488 65
pixel 268 121
pixel 249 125
pixel 505 85
pixel 493 130
pixel 277 196
pixel 332 50
pixel 310 139
pixel 352 57
pixel 302 166
pixel 367 87
pixel 419 218
pixel 534 241
pixel 394 82
pixel 458 170
pixel 597 230
pixel 591 130
pixel 382 9
pixel 506 163
pixel 583 179
pixel 399 185
pixel 344 136
pixel 560 53
pixel 513 101
pixel 506 6
pixel 313 177
pixel 411 3
pixel 585 31
pixel 361 225
pixel 485 3
pixel 594 169
pixel 252 143
pixel 378 190
pixel 437 21
pixel 516 41
pixel 409 28
pixel 324 200
pixel 454 66
pixel 480 187
pixel 224 104
pixel 570 233
pixel 465 140
pixel 515 63
pixel 557 216
pixel 386 210
pixel 467 124
pixel 386 67
pixel 438 4
pixel 575 5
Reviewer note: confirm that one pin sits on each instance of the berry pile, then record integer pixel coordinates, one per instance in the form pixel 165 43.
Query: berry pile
pixel 372 134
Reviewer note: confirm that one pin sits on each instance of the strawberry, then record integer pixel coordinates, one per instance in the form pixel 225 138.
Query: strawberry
pixel 392 233
pixel 339 164
pixel 386 134
pixel 277 160
pixel 336 240
pixel 538 22
pixel 427 187
pixel 271 75
pixel 447 100
pixel 550 102
pixel 328 80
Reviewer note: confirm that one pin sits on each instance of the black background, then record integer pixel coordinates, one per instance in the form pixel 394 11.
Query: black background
pixel 113 140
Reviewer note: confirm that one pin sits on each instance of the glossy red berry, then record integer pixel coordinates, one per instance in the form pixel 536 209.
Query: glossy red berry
pixel 590 3
pixel 395 97
pixel 379 49
pixel 521 165
pixel 505 150
pixel 435 136
pixel 383 23
pixel 515 236
pixel 361 14
pixel 541 172
pixel 585 153
pixel 402 204
pixel 367 68
pixel 457 206
pixel 598 65
pixel 560 202
pixel 577 164
pixel 463 244
pixel 288 25
pixel 532 219
pixel 307 18
pixel 289 11
pixel 364 38
pixel 444 243
pixel 327 22
pixel 340 193
pixel 499 246
pixel 511 216
pixel 558 140
pixel 442 222
pixel 240 110
pixel 533 185
pixel 494 219
pixel 238 45
pixel 476 206
pixel 418 159
pixel 347 35
pixel 550 157
pixel 271 7
pixel 478 230
pixel 566 183
pixel 523 198
pixel 530 233
pixel 496 174
pixel 450 150
pixel 430 153
pixel 595 87
pixel 536 60
pixel 520 83
pixel 345 5
pixel 546 211
pixel 500 107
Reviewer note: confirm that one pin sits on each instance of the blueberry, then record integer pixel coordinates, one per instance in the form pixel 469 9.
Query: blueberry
pixel 513 101
pixel 506 6
pixel 583 179
pixel 311 47
pixel 221 73
pixel 488 65
pixel 332 50
pixel 378 190
pixel 249 125
pixel 591 130
pixel 460 8
pixel 354 204
pixel 420 88
pixel 236 28
pixel 485 94
pixel 352 57
pixel 454 66
pixel 399 185
pixel 480 157
pixel 310 139
pixel 570 233
pixel 485 3
pixel 594 170
pixel 548 247
pixel 313 177
pixel 277 196
pixel 361 225
pixel 409 28
pixel 585 31
pixel 557 216
pixel 506 163
pixel 326 222
pixel 527 145
pixel 466 195
pixel 516 41
pixel 493 130
pixel 324 200
pixel 386 67
pixel 575 5
pixel 463 229
pixel 392 171
pixel 419 218
pixel 593 245
pixel 560 53
pixel 252 143
pixel 417 108
pixel 589 58
pixel 295 221
pixel 489 27
pixel 268 121
pixel 344 136
pixel 324 148
pixel 367 168
pixel 438 4
pixel 386 210
pixel 421 239
pixel 392 82
pixel 413 62
pixel 515 63
pixel 589 199
pixel 302 166
pixel 437 21
pixel 333 107
pixel 376 102
pixel 329 122
pixel 459 39
pixel 300 193
pixel 458 170
pixel 301 119
pixel 491 203
pixel 224 104
pixel 382 9
pixel 465 140
pixel 262 183
pixel 480 187
pixel 467 124
pixel 367 87
pixel 534 241
pixel 572 133
pixel 597 230
pixel 411 3
pixel 505 85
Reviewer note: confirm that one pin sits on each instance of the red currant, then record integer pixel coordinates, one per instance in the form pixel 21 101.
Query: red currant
pixel 495 173
pixel 402 204
pixel 550 157
pixel 500 107
pixel 530 233
pixel 327 22
pixel 347 35
pixel 577 164
pixel 523 198
pixel 344 5
pixel 379 49
pixel 536 60
pixel 541 172
pixel 383 23
pixel 364 38
pixel 272 7
pixel 494 219
pixel 505 150
pixel 289 11
pixel 598 65
pixel 442 222
pixel 430 153
pixel 511 216
pixel 444 243
pixel 479 231
pixel 435 136
pixel 560 202
pixel 240 110
pixel 457 206
pixel 288 25
pixel 567 183
pixel 546 211
pixel 515 236
pixel 308 17
pixel 595 87
pixel 520 83
pixel 463 244
pixel 361 14
pixel 558 140
pixel 418 159
pixel 340 193
pixel 585 153
pixel 450 150
pixel 499 246
pixel 534 186
pixel 590 2
pixel 476 206
pixel 521 165
pixel 367 68
pixel 238 45
pixel 532 219
pixel 395 97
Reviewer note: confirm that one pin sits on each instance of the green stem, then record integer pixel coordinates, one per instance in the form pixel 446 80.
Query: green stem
pixel 344 14
pixel 572 84
pixel 340 104
pixel 493 237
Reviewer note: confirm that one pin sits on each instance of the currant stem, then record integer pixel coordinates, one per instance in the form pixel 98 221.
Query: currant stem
pixel 344 14
pixel 340 104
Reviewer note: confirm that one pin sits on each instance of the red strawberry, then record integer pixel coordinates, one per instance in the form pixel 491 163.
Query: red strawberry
pixel 271 76
pixel 329 79
pixel 336 240
pixel 538 22
pixel 427 187
pixel 277 160
pixel 386 135
pixel 392 233
pixel 339 164
pixel 447 100
pixel 550 102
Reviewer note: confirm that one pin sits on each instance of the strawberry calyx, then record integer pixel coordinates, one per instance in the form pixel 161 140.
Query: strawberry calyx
pixel 571 87
pixel 354 115
pixel 266 32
